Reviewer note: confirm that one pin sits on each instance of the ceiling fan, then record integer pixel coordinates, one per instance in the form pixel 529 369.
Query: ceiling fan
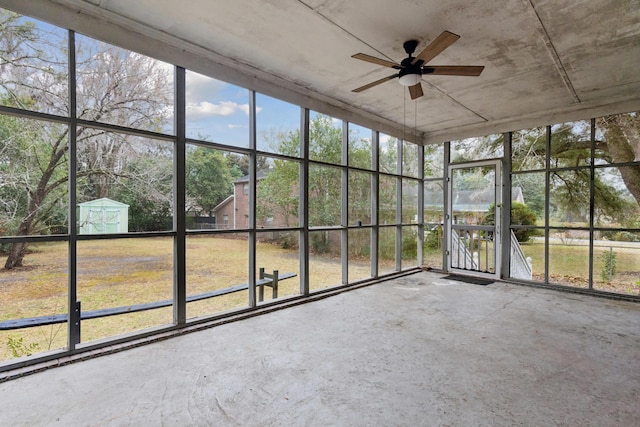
pixel 411 69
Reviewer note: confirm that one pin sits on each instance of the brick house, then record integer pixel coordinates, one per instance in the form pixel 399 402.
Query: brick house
pixel 233 212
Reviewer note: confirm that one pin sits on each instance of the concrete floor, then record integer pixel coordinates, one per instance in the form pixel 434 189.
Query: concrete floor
pixel 418 350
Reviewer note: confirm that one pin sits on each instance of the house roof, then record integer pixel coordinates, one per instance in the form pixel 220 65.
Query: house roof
pixel 223 203
pixel 104 202
pixel 469 200
pixel 261 174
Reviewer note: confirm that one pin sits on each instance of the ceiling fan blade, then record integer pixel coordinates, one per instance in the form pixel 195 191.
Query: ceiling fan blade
pixel 454 70
pixel 376 83
pixel 373 59
pixel 436 47
pixel 415 91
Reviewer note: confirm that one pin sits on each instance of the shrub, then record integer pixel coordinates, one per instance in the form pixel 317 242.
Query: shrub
pixel 433 238
pixel 521 214
pixel 409 245
pixel 608 269
pixel 19 348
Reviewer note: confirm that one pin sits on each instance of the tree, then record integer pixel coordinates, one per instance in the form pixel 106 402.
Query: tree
pixel 208 178
pixel 145 183
pixel 617 141
pixel 278 191
pixel 521 214
pixel 114 86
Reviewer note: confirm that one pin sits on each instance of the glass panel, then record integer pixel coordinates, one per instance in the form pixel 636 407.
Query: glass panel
pixel 325 265
pixel 387 199
pixel 359 254
pixel 433 245
pixel 569 258
pixel 434 161
pixel 433 201
pixel 325 139
pixel 214 264
pixel 278 189
pixel 477 148
pixel 33 178
pixel 215 189
pixel 277 126
pixel 529 189
pixel 616 264
pixel 528 149
pixel 410 159
pixel 34 65
pixel 409 247
pixel 216 111
pixel 527 254
pixel 472 194
pixel 569 198
pixel 360 147
pixel 122 275
pixel 571 144
pixel 359 198
pixel 617 139
pixel 279 250
pixel 125 183
pixel 38 289
pixel 615 204
pixel 433 223
pixel 124 88
pixel 386 250
pixel 409 201
pixel 324 195
pixel 388 155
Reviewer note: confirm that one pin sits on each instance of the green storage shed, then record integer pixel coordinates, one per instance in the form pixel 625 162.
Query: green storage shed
pixel 103 216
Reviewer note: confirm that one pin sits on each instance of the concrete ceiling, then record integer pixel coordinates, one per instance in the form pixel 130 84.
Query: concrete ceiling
pixel 545 60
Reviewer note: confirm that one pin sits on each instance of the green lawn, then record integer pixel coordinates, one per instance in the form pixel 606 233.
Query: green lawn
pixel 569 265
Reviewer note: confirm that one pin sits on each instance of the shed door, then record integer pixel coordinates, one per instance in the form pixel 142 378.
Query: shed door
pixel 103 220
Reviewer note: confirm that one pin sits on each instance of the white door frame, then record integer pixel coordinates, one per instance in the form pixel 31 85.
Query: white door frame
pixel 496 227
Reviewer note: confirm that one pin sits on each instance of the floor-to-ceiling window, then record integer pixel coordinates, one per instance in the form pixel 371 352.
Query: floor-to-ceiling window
pixel 574 217
pixel 137 195
pixel 576 208
pixel 134 191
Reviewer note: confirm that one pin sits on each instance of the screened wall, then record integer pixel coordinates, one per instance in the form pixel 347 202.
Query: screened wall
pixel 237 199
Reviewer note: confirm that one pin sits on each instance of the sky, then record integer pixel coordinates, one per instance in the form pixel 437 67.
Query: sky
pixel 219 112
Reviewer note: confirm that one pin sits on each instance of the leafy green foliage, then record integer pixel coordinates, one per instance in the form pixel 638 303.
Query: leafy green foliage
pixel 608 268
pixel 19 348
pixel 521 214
pixel 208 177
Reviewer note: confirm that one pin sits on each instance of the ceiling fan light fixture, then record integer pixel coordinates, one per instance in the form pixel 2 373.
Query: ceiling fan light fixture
pixel 410 79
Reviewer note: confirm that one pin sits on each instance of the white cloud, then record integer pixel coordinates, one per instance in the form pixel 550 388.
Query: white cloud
pixel 201 88
pixel 245 108
pixel 223 108
pixel 384 138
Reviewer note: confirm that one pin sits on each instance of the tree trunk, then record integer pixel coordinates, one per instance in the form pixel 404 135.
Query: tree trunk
pixel 16 255
pixel 19 249
pixel 623 144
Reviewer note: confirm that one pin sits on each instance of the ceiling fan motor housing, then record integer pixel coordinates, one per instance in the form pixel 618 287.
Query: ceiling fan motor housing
pixel 410 74
pixel 410 46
